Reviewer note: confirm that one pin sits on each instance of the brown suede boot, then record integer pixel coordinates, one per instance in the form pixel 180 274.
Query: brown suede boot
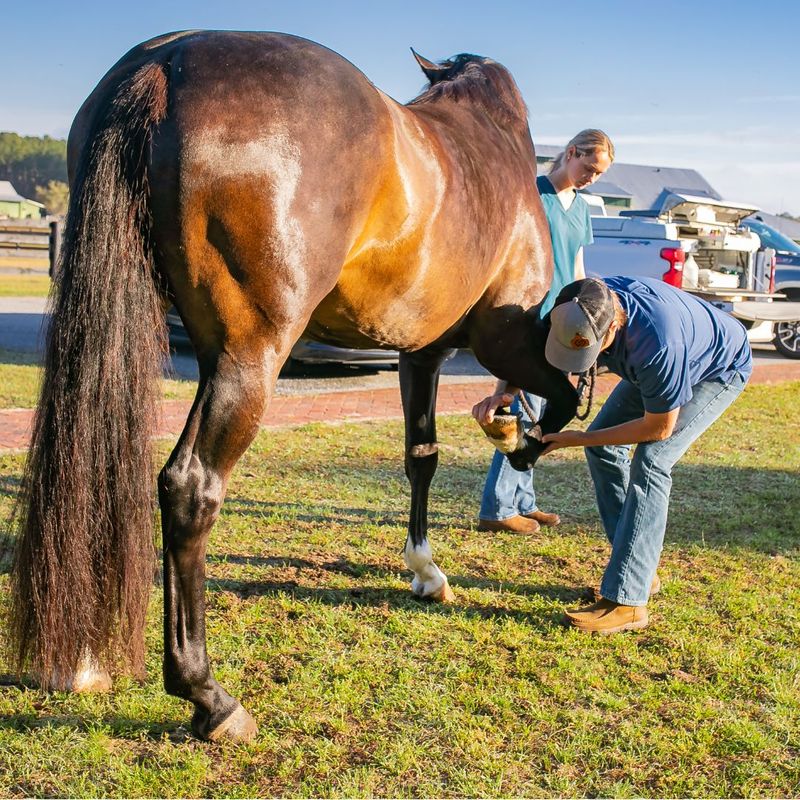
pixel 606 616
pixel 516 524
pixel 544 518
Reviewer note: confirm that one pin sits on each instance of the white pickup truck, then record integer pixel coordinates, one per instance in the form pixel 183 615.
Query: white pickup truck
pixel 697 244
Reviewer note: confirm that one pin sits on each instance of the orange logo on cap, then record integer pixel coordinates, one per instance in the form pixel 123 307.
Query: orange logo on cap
pixel 579 342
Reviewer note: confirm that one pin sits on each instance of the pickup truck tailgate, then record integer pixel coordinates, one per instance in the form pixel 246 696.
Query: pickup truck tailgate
pixel 756 311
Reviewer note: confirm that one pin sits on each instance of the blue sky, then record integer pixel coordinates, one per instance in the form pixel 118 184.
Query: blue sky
pixel 711 86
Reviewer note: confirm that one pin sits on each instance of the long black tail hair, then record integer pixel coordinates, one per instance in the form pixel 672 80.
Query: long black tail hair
pixel 84 560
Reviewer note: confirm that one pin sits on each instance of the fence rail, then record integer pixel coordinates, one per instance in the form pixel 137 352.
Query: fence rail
pixel 25 245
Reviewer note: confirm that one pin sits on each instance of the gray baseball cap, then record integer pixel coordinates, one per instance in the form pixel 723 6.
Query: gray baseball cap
pixel 579 321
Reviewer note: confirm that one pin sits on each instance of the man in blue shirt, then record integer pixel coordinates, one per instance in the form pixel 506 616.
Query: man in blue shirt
pixel 682 363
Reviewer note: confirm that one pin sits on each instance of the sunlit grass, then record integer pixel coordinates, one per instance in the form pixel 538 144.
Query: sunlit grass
pixel 25 285
pixel 20 378
pixel 361 690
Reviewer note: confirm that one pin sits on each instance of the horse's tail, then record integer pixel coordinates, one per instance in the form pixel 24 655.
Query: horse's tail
pixel 84 560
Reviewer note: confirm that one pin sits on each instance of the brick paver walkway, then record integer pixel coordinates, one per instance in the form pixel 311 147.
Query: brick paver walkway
pixel 454 398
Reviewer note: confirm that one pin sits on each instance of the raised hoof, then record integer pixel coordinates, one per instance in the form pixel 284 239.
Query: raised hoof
pixel 444 594
pixel 237 727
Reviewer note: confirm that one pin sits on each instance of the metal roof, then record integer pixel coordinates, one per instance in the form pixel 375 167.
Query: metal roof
pixel 605 188
pixel 9 194
pixel 547 150
pixel 647 186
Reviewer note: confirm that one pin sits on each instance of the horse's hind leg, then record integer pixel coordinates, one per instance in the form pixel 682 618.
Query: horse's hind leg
pixel 231 398
pixel 419 381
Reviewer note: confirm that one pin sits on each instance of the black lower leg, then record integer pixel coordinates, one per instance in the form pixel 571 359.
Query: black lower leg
pixel 192 486
pixel 419 382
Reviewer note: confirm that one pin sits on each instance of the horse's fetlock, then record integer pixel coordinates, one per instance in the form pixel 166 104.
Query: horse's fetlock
pixel 423 450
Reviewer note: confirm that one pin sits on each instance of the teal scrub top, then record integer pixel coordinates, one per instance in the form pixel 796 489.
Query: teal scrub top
pixel 570 229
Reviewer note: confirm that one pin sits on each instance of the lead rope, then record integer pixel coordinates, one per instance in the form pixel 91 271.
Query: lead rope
pixel 587 378
pixel 528 410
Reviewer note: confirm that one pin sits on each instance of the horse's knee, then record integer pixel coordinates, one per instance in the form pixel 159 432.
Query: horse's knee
pixel 421 461
pixel 190 496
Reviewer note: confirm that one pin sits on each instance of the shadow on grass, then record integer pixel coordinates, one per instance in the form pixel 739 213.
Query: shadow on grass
pixel 711 505
pixel 119 727
pixel 327 514
pixel 366 596
pixel 10 485
pixel 29 328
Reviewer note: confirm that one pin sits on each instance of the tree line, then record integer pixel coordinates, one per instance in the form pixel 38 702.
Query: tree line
pixel 37 166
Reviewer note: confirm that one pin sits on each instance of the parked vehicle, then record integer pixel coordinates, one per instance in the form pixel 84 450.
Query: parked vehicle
pixel 787 280
pixel 700 245
pixel 306 351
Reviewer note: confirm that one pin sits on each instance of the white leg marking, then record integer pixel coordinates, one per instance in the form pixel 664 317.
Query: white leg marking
pixel 90 677
pixel 429 580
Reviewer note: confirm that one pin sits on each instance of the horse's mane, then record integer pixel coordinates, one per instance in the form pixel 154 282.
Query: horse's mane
pixel 480 81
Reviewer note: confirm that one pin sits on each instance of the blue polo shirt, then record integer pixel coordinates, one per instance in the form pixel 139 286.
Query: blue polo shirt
pixel 671 342
pixel 570 229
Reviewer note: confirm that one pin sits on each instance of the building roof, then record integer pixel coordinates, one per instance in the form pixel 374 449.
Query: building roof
pixel 647 186
pixel 606 188
pixel 547 151
pixel 9 194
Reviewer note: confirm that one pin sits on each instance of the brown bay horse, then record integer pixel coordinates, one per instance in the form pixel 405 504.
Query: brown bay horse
pixel 264 186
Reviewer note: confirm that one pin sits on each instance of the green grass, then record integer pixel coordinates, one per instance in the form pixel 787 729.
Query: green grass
pixel 20 376
pixel 24 285
pixel 361 690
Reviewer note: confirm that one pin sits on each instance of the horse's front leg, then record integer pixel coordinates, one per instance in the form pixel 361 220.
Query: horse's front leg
pixel 419 381
pixel 562 400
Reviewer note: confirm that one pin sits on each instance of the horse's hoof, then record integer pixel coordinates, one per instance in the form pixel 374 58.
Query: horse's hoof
pixel 441 594
pixel 89 678
pixel 237 727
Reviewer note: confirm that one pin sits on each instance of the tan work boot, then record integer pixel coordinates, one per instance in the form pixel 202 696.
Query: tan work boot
pixel 655 588
pixel 544 518
pixel 606 616
pixel 516 524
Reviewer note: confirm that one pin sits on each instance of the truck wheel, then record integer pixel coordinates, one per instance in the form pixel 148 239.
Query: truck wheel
pixel 787 338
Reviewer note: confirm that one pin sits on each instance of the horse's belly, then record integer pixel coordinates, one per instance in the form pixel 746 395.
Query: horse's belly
pixel 373 314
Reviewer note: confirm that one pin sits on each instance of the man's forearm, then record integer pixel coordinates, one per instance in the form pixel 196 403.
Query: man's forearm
pixel 632 432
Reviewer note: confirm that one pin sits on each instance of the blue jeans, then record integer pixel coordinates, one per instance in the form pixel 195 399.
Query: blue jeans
pixel 633 493
pixel 508 492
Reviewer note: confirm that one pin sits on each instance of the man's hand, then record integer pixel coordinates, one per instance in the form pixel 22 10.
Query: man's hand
pixel 484 411
pixel 555 441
